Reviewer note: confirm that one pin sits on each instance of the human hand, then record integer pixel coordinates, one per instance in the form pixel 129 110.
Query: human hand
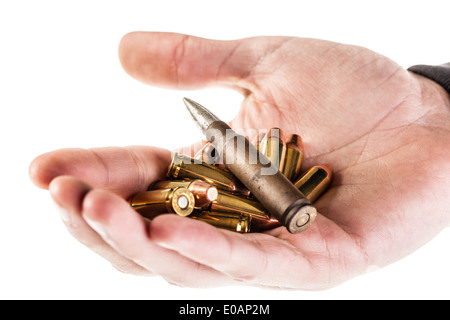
pixel 384 130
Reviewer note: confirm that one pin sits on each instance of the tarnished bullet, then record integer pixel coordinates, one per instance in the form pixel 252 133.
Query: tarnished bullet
pixel 273 146
pixel 294 157
pixel 314 182
pixel 203 192
pixel 153 203
pixel 273 190
pixel 185 168
pixel 239 223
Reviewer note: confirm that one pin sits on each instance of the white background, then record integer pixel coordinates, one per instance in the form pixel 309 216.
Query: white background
pixel 61 85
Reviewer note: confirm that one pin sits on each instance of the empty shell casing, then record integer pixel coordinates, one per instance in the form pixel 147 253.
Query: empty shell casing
pixel 152 203
pixel 203 192
pixel 314 182
pixel 184 168
pixel 239 223
pixel 273 146
pixel 294 157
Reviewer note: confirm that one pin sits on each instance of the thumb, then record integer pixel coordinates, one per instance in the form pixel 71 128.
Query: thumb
pixel 185 62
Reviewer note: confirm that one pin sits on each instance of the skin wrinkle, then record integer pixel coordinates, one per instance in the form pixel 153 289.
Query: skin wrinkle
pixel 328 49
pixel 198 266
pixel 397 131
pixel 296 254
pixel 383 118
pixel 367 138
pixel 177 58
pixel 105 167
pixel 263 57
pixel 140 169
pixel 344 259
pixel 323 256
pixel 362 67
pixel 386 80
pixel 326 256
pixel 226 60
pixel 265 261
pixel 357 241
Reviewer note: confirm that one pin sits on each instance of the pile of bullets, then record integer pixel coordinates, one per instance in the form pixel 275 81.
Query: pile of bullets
pixel 202 188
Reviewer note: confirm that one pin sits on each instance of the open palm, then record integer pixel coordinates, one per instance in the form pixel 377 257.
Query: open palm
pixel 384 130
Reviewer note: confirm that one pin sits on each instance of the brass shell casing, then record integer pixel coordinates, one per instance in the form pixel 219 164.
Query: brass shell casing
pixel 260 225
pixel 235 204
pixel 239 223
pixel 273 146
pixel 258 139
pixel 153 203
pixel 203 192
pixel 314 182
pixel 294 157
pixel 270 187
pixel 185 168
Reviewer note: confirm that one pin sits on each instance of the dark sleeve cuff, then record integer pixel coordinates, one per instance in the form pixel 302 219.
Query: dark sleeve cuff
pixel 439 74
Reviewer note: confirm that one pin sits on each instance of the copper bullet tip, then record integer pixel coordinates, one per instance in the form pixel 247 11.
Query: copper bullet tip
pixel 204 192
pixel 275 133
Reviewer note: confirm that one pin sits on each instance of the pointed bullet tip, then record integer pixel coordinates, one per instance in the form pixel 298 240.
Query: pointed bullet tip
pixel 187 100
pixel 189 103
pixel 202 116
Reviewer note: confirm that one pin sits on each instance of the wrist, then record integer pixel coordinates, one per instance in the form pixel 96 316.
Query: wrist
pixel 433 94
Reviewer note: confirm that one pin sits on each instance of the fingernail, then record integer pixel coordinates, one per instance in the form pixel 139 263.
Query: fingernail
pixel 165 245
pixel 97 226
pixel 63 213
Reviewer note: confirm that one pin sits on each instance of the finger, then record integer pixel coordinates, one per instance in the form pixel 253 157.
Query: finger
pixel 123 228
pixel 257 259
pixel 123 171
pixel 186 62
pixel 69 192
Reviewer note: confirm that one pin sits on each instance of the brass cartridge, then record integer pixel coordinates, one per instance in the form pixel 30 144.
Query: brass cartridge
pixel 294 157
pixel 153 203
pixel 239 223
pixel 185 168
pixel 203 192
pixel 259 225
pixel 270 187
pixel 236 204
pixel 315 181
pixel 232 204
pixel 273 146
pixel 258 139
